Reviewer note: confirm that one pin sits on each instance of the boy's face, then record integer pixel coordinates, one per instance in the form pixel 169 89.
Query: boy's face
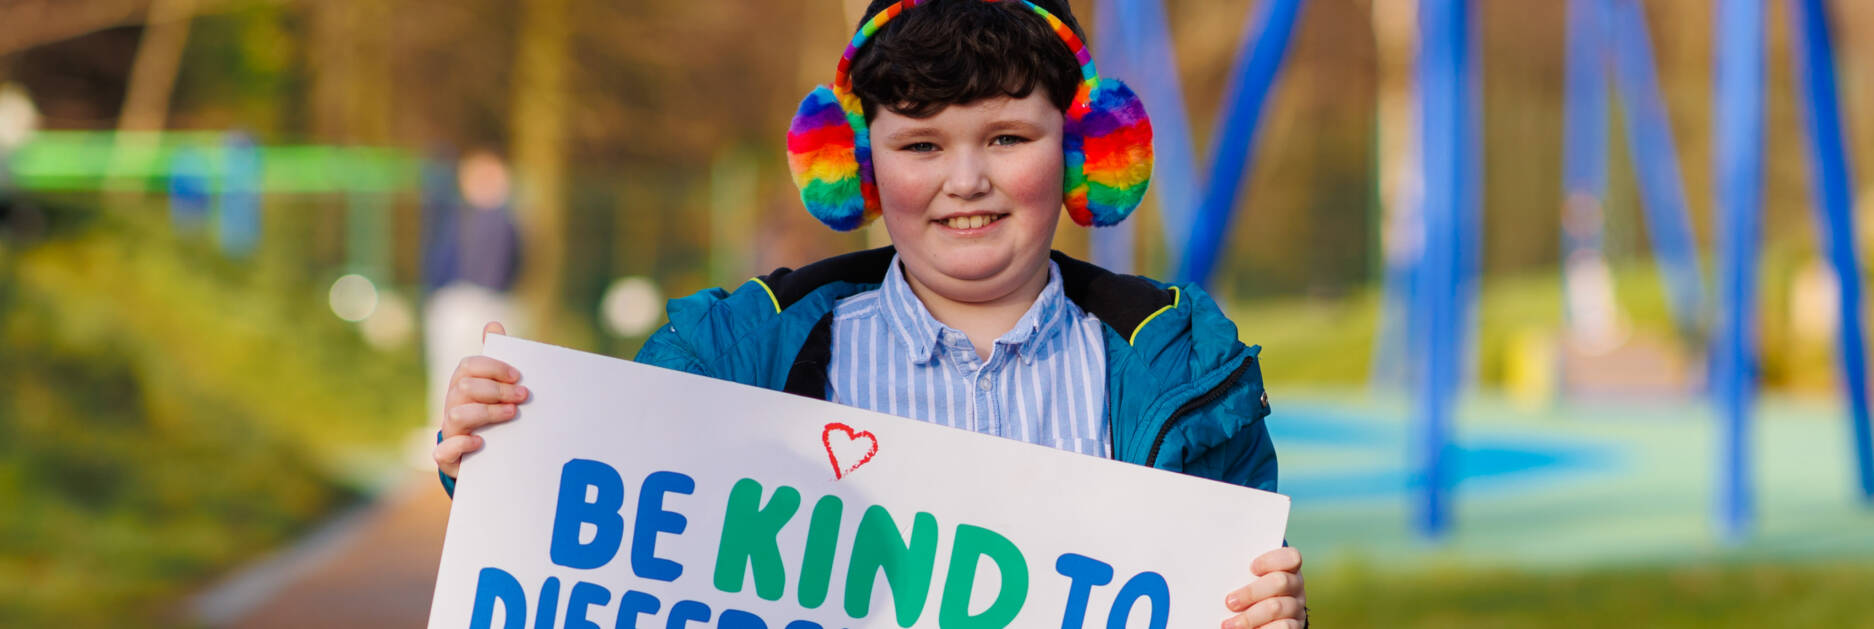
pixel 971 195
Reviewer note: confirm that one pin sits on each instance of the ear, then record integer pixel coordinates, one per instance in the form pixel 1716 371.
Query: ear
pixel 1114 161
pixel 823 152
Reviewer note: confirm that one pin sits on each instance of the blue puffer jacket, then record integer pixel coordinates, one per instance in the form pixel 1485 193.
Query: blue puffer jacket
pixel 1182 393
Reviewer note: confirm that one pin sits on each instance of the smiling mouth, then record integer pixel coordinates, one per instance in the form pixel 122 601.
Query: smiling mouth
pixel 972 221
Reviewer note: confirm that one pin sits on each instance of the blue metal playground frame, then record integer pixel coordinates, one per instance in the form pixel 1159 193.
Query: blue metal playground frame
pixel 1603 35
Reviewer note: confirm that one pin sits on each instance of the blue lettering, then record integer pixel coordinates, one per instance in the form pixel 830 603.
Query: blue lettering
pixel 583 596
pixel 653 519
pixel 634 604
pixel 738 619
pixel 682 613
pixel 549 608
pixel 496 584
pixel 1083 573
pixel 573 513
pixel 1144 585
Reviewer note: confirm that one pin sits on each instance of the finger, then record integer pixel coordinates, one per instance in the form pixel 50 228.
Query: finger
pixel 448 453
pixel 1240 598
pixel 1284 559
pixel 1267 611
pixel 1264 587
pixel 1275 584
pixel 479 366
pixel 493 327
pixel 485 391
pixel 467 418
pixel 1285 623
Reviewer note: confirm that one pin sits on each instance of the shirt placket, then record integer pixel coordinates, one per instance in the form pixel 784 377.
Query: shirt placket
pixel 984 385
pixel 969 369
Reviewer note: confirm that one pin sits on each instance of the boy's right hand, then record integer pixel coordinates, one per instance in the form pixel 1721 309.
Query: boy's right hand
pixel 482 391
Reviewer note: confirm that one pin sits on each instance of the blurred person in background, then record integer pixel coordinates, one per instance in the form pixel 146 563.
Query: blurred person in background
pixel 469 268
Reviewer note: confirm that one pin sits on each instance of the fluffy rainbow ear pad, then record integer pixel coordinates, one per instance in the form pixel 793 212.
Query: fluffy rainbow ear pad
pixel 1108 146
pixel 830 155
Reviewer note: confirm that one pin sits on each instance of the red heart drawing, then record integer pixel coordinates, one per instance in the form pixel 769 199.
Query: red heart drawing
pixel 849 447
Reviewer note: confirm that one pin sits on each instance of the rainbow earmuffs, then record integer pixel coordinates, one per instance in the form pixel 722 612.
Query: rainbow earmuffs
pixel 1107 141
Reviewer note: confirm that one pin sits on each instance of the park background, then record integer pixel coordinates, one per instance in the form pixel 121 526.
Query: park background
pixel 214 395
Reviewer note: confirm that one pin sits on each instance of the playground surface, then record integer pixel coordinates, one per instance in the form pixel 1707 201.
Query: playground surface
pixel 1592 486
pixel 1615 484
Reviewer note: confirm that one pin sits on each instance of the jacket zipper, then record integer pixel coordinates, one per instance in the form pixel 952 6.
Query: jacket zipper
pixel 1151 457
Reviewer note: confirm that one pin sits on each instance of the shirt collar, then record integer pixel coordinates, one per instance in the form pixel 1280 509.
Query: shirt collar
pixel 911 322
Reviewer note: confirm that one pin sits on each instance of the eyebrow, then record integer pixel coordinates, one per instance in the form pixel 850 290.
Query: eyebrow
pixel 1005 125
pixel 911 133
pixel 1015 125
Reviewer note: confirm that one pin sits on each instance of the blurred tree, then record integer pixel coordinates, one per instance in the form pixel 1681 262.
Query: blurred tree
pixel 152 79
pixel 159 56
pixel 540 107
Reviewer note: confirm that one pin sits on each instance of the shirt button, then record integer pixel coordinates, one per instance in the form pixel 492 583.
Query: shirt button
pixel 982 384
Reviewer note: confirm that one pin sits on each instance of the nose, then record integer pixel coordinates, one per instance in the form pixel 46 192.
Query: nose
pixel 968 176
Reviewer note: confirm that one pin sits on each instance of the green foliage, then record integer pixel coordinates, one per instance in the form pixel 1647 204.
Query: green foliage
pixel 168 413
pixel 243 68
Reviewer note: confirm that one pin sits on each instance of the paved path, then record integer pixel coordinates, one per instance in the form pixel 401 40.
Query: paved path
pixel 375 567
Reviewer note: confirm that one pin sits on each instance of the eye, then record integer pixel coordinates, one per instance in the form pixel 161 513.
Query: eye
pixel 1008 140
pixel 919 147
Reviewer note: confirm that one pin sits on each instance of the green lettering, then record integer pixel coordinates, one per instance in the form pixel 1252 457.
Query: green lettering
pixel 748 539
pixel 972 543
pixel 816 565
pixel 907 566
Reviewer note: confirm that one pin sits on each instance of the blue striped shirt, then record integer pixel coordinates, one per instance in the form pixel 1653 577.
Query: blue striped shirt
pixel 1044 383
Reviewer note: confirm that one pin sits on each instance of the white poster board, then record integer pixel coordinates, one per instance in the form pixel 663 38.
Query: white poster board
pixel 675 500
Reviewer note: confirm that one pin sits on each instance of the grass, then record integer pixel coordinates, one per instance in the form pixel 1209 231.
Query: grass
pixel 1716 595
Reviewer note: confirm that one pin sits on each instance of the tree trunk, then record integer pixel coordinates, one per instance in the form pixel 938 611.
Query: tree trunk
pixel 146 102
pixel 539 141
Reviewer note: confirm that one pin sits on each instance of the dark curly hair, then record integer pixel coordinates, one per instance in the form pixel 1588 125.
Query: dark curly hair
pixel 953 52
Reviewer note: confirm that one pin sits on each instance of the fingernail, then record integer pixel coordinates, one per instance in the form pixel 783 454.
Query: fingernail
pixel 514 374
pixel 522 391
pixel 1230 602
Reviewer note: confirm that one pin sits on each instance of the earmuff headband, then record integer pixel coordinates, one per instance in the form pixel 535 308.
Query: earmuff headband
pixel 1106 141
pixel 842 77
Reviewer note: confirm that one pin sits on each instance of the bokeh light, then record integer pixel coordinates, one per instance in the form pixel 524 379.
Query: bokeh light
pixel 632 306
pixel 353 297
pixel 391 325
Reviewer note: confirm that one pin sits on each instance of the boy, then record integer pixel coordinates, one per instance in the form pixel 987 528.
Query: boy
pixel 974 113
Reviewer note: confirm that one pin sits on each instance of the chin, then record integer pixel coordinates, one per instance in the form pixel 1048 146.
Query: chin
pixel 972 268
pixel 978 275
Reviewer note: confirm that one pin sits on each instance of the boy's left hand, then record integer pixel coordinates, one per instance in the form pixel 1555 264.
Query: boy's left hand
pixel 1276 599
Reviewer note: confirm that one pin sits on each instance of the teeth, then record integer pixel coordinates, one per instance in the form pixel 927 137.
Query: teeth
pixel 971 222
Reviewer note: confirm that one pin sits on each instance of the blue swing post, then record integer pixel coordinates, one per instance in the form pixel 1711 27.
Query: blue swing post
pixel 1135 44
pixel 1584 124
pixel 1257 63
pixel 1649 139
pixel 1448 109
pixel 1814 60
pixel 1739 179
pixel 1619 26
